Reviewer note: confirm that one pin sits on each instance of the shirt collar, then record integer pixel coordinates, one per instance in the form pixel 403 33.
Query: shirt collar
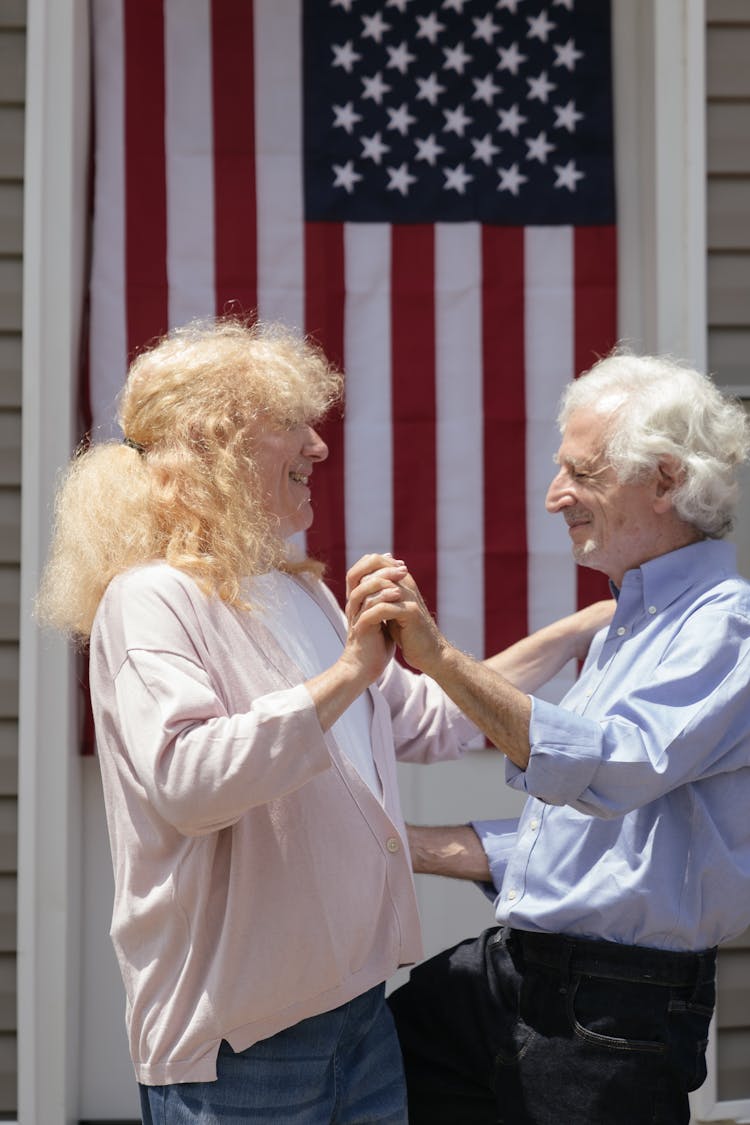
pixel 663 579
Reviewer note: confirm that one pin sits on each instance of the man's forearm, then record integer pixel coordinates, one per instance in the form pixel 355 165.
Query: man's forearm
pixel 455 852
pixel 501 711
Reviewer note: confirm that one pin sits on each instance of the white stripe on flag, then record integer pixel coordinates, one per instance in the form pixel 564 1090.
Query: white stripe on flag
pixel 108 336
pixel 458 378
pixel 189 165
pixel 278 163
pixel 549 342
pixel 368 435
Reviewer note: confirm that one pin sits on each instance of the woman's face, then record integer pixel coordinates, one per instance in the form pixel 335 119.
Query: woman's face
pixel 284 461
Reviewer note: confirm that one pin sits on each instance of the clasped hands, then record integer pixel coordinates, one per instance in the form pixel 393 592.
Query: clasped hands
pixel 382 594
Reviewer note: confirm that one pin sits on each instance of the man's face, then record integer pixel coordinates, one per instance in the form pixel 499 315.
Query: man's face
pixel 613 527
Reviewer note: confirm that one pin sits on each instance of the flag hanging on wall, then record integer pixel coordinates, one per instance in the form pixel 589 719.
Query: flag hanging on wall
pixel 424 187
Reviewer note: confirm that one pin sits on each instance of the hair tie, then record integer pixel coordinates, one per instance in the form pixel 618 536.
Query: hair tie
pixel 140 449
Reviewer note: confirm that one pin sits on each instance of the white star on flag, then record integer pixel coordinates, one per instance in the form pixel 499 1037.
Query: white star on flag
pixel 345 55
pixel 428 149
pixel 511 120
pixel 400 179
pixel 429 27
pixel 456 120
pixel 374 147
pixel 375 87
pixel 511 179
pixel 540 26
pixel 540 87
pixel 400 57
pixel 567 116
pixel 567 55
pixel 375 27
pixel 568 175
pixel 457 178
pixel 430 89
pixel 539 148
pixel 511 58
pixel 346 177
pixel 400 119
pixel 346 117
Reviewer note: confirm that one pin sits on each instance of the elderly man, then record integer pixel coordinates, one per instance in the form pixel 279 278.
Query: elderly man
pixel 590 1003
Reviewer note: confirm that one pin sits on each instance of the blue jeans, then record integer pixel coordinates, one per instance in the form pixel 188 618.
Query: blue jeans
pixel 517 1028
pixel 339 1068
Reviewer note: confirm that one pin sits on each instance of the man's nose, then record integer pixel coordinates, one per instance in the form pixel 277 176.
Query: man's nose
pixel 560 493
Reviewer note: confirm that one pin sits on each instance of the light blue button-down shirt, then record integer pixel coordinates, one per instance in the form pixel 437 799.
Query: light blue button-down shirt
pixel 637 827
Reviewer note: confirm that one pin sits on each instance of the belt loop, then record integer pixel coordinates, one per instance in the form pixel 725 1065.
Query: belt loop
pixel 705 972
pixel 566 952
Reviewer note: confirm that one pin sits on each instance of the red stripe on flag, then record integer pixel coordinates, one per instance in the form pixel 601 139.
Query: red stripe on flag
pixel 595 335
pixel 504 437
pixel 324 321
pixel 147 314
pixel 413 403
pixel 233 81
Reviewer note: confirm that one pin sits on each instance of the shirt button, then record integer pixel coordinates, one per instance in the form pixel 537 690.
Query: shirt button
pixel 621 631
pixel 511 895
pixel 533 824
pixel 652 609
pixel 393 844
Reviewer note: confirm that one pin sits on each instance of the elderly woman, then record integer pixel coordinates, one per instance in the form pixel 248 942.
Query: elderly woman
pixel 263 888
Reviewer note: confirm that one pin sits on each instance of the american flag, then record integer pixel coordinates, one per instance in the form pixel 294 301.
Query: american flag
pixel 424 187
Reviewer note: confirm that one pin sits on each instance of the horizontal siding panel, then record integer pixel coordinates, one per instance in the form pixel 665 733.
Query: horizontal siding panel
pixel 11 282
pixel 8 1072
pixel 8 1017
pixel 13 13
pixel 733 1065
pixel 12 64
pixel 11 218
pixel 10 448
pixel 8 891
pixel 727 52
pixel 729 214
pixel 8 681
pixel 729 356
pixel 8 757
pixel 733 979
pixel 10 593
pixel 8 837
pixel 726 11
pixel 10 371
pixel 729 290
pixel 728 139
pixel 11 142
pixel 10 525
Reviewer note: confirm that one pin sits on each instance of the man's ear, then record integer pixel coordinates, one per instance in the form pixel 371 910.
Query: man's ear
pixel 670 473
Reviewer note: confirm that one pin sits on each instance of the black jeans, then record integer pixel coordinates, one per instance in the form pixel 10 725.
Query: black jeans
pixel 515 1028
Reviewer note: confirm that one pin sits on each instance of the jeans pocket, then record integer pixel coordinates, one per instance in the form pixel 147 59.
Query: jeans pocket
pixel 620 1015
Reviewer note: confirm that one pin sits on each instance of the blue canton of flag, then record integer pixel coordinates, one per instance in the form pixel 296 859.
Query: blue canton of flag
pixel 458 111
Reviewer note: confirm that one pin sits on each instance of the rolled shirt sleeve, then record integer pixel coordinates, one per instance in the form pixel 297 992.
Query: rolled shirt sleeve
pixel 498 838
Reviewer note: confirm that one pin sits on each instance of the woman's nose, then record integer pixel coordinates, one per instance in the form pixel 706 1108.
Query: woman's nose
pixel 315 448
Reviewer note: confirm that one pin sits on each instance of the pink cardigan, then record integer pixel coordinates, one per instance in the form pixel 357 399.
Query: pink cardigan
pixel 258 880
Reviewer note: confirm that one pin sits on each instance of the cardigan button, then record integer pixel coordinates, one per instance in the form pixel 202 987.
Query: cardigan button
pixel 393 844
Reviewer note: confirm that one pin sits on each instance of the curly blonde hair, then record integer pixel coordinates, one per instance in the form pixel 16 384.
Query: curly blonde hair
pixel 184 488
